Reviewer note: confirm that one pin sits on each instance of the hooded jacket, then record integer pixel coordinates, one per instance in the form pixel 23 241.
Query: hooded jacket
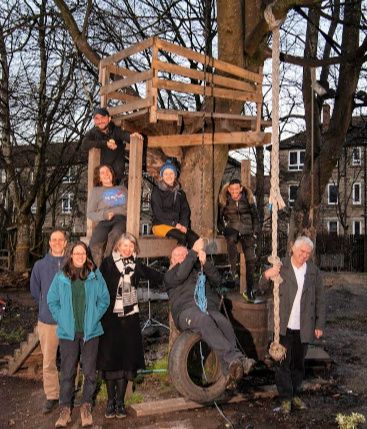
pixel 240 215
pixel 42 275
pixel 170 206
pixel 97 299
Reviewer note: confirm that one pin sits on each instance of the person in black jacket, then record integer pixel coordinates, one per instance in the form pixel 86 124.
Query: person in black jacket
pixel 201 313
pixel 105 135
pixel 171 211
pixel 239 220
pixel 121 352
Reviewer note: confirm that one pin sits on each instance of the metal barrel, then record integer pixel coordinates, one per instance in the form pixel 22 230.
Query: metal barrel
pixel 250 322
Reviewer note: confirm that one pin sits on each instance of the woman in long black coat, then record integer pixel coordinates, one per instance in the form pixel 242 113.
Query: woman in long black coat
pixel 121 351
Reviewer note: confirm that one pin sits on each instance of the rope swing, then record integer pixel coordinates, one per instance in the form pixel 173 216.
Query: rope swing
pixel 276 351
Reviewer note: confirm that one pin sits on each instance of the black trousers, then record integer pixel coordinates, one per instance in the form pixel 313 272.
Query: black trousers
pixel 291 371
pixel 215 329
pixel 232 237
pixel 183 239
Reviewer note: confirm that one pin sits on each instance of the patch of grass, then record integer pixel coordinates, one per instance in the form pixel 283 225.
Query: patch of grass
pixel 12 336
pixel 159 364
pixel 135 398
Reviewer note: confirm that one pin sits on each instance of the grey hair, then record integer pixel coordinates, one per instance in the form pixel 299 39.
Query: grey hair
pixel 131 238
pixel 303 240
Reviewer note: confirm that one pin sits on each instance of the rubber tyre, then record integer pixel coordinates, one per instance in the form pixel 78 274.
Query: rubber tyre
pixel 185 369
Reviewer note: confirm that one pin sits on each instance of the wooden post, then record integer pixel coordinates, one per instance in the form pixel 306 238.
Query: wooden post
pixel 135 181
pixel 94 159
pixel 246 181
pixel 152 85
pixel 104 79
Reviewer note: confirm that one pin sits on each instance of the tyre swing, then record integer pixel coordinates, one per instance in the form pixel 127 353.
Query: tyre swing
pixel 195 369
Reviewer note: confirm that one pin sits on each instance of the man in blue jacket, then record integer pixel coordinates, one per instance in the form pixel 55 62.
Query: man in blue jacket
pixel 42 275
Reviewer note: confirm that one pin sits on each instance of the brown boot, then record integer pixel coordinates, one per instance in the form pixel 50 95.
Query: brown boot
pixel 64 419
pixel 86 415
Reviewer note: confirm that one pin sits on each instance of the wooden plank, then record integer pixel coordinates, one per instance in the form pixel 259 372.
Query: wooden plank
pixel 128 81
pixel 119 71
pixel 190 88
pixel 122 96
pixel 218 64
pixel 172 405
pixel 94 159
pixel 21 354
pixel 208 77
pixel 131 50
pixel 134 188
pixel 104 79
pixel 152 89
pixel 246 138
pixel 136 105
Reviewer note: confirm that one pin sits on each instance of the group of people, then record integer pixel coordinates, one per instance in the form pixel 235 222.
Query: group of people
pixel 87 297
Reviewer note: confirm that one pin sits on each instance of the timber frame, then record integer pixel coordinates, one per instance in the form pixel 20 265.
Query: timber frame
pixel 136 80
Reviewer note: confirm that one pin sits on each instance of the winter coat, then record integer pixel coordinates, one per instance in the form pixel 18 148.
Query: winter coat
pixel 115 158
pixel 97 299
pixel 180 283
pixel 120 347
pixel 42 275
pixel 170 206
pixel 312 301
pixel 240 215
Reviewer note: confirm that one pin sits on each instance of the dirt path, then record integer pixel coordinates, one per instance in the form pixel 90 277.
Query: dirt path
pixel 344 389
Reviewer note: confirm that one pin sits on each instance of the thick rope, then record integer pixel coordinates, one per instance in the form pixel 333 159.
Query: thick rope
pixel 277 351
pixel 199 294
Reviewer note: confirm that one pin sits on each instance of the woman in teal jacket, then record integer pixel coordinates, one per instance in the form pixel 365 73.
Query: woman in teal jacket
pixel 78 298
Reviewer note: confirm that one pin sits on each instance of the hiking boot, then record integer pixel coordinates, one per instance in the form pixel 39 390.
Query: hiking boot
pixel 49 405
pixel 120 410
pixel 235 370
pixel 247 365
pixel 249 297
pixel 86 415
pixel 64 419
pixel 110 412
pixel 285 407
pixel 298 404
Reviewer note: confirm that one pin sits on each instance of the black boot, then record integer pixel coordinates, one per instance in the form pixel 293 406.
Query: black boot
pixel 121 385
pixel 111 401
pixel 177 235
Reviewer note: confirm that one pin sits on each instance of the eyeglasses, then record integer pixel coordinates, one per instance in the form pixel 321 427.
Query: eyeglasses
pixel 79 254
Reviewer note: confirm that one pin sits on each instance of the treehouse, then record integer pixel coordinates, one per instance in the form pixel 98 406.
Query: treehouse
pixel 193 76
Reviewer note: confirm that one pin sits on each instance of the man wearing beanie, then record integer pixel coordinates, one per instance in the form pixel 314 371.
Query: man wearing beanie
pixel 105 135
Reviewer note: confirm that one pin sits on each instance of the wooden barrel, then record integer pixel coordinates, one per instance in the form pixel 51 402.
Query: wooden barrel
pixel 250 322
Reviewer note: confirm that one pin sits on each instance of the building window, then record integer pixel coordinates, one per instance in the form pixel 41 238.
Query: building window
pixel 70 176
pixel 67 203
pixel 356 156
pixel 296 160
pixel 145 229
pixel 333 226
pixel 357 227
pixel 34 207
pixel 145 206
pixel 356 194
pixel 2 176
pixel 332 194
pixel 292 194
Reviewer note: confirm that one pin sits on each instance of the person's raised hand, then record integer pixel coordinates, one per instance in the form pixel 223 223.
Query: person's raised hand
pixel 198 245
pixel 111 144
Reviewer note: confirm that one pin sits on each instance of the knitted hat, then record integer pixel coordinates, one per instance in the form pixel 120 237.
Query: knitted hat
pixel 100 111
pixel 168 165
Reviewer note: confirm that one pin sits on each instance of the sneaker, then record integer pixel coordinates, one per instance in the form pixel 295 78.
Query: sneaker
pixel 298 403
pixel 286 407
pixel 235 370
pixel 86 415
pixel 120 411
pixel 64 419
pixel 49 405
pixel 247 365
pixel 110 412
pixel 249 297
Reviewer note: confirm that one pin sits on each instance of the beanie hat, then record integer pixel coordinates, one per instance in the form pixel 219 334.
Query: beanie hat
pixel 100 111
pixel 168 165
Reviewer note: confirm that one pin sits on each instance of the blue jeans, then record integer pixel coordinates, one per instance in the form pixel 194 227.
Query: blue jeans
pixel 71 353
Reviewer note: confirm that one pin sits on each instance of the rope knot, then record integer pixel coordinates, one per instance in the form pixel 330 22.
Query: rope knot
pixel 277 351
pixel 270 19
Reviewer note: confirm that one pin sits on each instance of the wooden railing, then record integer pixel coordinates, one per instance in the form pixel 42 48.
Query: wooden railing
pixel 165 69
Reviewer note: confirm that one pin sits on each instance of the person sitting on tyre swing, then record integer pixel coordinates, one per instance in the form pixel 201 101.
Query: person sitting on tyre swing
pixel 195 307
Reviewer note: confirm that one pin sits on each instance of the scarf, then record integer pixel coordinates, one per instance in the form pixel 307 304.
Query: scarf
pixel 126 302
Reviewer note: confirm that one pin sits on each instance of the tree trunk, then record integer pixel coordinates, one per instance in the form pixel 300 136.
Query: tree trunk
pixel 23 243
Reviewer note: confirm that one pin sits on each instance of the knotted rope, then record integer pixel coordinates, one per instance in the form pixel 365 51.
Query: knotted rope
pixel 199 294
pixel 277 351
